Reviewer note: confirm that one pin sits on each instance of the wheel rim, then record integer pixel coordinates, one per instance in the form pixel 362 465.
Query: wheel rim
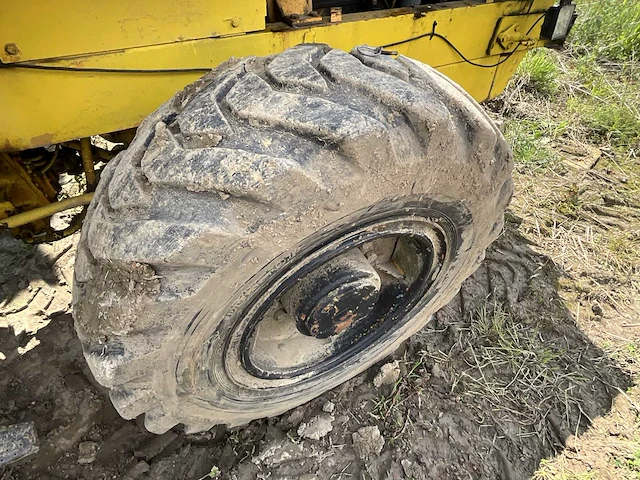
pixel 220 357
pixel 281 351
pixel 262 368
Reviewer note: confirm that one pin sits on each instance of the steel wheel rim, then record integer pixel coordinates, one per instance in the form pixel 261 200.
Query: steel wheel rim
pixel 419 229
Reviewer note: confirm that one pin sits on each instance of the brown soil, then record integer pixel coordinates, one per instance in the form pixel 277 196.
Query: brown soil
pixel 502 378
pixel 529 371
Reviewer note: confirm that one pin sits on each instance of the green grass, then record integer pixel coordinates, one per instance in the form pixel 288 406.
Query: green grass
pixel 605 103
pixel 608 28
pixel 598 101
pixel 630 464
pixel 539 72
pixel 514 370
pixel 530 141
pixel 576 96
pixel 606 97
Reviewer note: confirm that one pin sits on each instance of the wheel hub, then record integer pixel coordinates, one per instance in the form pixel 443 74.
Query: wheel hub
pixel 335 296
pixel 341 295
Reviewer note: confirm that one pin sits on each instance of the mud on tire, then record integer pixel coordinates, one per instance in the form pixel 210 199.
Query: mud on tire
pixel 261 163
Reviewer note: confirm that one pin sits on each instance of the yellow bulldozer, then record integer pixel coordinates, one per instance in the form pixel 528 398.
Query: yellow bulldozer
pixel 276 193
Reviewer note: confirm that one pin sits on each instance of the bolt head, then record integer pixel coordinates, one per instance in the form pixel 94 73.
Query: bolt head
pixel 11 49
pixel 235 22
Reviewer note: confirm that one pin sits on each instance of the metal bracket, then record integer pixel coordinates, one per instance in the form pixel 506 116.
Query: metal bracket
pixel 299 13
pixel 511 31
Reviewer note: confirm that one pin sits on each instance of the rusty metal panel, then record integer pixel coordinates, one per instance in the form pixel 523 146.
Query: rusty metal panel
pixel 294 7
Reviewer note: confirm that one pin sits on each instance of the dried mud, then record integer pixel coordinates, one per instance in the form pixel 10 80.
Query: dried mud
pixel 501 378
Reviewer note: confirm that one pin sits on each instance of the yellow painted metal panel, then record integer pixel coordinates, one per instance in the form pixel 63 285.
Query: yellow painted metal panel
pixel 43 107
pixel 504 73
pixel 477 84
pixel 44 28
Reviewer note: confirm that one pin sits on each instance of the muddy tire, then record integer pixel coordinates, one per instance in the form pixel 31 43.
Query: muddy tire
pixel 237 190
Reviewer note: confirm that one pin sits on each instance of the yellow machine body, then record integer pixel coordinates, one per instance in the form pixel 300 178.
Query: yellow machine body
pixel 73 69
pixel 42 107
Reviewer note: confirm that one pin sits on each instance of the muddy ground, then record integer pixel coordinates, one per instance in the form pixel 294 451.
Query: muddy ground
pixel 530 371
pixel 503 377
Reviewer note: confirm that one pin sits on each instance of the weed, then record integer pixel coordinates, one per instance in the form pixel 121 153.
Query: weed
pixel 530 144
pixel 539 72
pixel 213 473
pixel 608 28
pixel 387 405
pixel 569 205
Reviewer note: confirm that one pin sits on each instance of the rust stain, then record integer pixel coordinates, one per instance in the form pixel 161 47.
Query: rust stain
pixel 6 146
pixel 346 320
pixel 41 140
pixel 315 328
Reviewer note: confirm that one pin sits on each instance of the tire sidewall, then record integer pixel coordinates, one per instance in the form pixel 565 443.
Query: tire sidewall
pixel 207 327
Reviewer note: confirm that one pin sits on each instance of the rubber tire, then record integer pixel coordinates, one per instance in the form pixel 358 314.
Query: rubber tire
pixel 234 172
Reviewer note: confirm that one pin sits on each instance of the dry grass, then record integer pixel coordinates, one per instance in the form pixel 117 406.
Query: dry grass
pixel 573 119
pixel 553 471
pixel 525 377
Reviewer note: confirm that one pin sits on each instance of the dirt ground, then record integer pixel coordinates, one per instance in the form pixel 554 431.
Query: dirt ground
pixel 515 371
pixel 531 371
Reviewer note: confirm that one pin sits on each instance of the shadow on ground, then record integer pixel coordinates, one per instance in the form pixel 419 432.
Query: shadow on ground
pixel 500 379
pixel 35 283
pixel 30 260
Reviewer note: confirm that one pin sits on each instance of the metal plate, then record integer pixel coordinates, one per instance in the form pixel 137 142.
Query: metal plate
pixel 28 29
pixel 17 442
pixel 528 26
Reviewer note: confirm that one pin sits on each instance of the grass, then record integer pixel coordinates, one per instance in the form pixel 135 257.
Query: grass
pixel 589 93
pixel 608 29
pixel 573 120
pixel 390 407
pixel 551 471
pixel 605 102
pixel 539 70
pixel 568 218
pixel 629 463
pixel 530 142
pixel 583 102
pixel 518 372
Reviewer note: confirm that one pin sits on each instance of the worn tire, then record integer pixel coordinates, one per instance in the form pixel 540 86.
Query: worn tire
pixel 234 174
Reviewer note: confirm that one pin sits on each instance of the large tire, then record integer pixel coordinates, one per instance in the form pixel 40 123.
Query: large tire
pixel 252 166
